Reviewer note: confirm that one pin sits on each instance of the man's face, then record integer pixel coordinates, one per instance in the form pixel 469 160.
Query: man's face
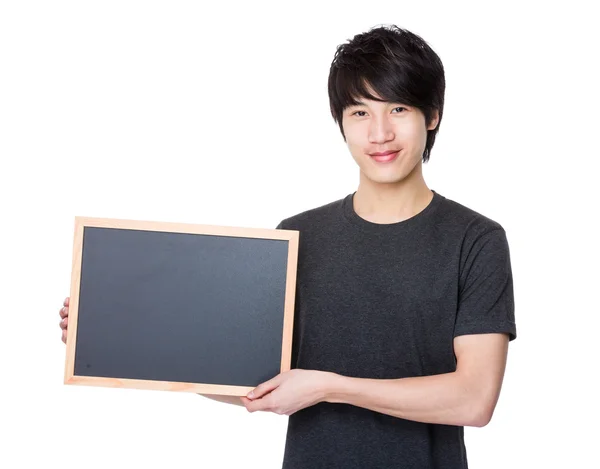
pixel 376 127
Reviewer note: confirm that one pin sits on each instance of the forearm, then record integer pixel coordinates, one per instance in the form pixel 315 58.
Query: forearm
pixel 442 399
pixel 226 399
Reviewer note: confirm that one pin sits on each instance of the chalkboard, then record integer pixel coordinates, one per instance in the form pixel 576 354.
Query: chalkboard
pixel 180 307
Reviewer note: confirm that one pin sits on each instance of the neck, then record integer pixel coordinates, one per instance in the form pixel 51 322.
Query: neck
pixel 392 202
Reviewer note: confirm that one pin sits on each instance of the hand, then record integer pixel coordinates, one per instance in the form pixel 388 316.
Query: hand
pixel 64 314
pixel 289 392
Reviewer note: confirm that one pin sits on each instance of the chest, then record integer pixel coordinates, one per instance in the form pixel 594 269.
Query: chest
pixel 383 312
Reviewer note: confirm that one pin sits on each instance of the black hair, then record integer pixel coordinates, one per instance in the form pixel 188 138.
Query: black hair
pixel 398 65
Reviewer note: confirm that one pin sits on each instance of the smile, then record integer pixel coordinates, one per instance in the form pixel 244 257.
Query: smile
pixel 385 158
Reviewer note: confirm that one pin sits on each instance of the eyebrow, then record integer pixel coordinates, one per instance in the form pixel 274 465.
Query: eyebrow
pixel 360 103
pixel 352 106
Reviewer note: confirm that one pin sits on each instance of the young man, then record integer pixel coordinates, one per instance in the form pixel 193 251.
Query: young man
pixel 404 298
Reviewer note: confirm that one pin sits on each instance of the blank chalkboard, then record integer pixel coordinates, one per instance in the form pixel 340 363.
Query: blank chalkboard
pixel 180 307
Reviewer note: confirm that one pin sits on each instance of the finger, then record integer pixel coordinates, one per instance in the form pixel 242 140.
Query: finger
pixel 66 302
pixel 258 404
pixel 264 388
pixel 64 311
pixel 64 336
pixel 64 323
pixel 245 400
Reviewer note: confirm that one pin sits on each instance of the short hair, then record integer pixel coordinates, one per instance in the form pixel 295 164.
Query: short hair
pixel 398 65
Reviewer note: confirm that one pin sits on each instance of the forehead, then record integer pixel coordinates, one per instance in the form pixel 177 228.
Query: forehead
pixel 365 95
pixel 368 97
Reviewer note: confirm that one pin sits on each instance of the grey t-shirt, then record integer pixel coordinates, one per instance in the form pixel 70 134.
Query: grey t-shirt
pixel 385 301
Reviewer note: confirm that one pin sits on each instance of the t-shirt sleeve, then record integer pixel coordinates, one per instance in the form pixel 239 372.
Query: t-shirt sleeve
pixel 486 298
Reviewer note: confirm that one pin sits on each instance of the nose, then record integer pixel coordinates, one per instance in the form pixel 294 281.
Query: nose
pixel 380 130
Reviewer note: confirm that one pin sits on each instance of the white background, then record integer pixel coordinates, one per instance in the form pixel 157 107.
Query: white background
pixel 176 111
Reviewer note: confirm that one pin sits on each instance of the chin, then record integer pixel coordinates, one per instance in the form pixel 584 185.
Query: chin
pixel 385 178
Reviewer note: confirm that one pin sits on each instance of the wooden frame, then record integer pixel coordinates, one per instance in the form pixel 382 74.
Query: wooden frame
pixel 292 236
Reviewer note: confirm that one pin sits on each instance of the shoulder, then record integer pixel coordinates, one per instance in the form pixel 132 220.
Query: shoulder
pixel 312 217
pixel 480 241
pixel 466 222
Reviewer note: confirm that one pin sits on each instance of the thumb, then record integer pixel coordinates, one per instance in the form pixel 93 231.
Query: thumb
pixel 263 388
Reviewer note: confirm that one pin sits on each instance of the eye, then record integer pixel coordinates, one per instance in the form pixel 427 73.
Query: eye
pixel 356 112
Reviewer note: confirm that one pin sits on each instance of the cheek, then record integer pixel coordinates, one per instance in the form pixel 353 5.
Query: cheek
pixel 414 134
pixel 356 151
pixel 405 133
pixel 354 145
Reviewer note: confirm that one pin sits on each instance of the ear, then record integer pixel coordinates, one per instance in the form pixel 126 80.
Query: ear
pixel 434 120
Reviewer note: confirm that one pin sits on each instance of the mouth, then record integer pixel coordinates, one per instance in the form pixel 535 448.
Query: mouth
pixel 385 157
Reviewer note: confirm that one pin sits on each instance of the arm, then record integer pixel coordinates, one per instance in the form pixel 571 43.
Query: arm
pixel 226 399
pixel 465 397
